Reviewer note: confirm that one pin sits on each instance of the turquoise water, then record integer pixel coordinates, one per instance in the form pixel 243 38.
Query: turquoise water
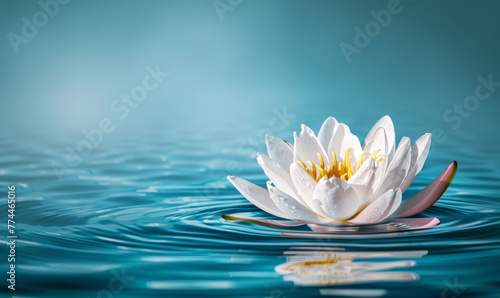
pixel 148 208
pixel 140 215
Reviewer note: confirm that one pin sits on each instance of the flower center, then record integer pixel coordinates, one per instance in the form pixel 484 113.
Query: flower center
pixel 343 170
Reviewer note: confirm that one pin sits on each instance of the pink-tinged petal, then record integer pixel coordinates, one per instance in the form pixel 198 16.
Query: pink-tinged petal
pixel 307 147
pixel 279 151
pixel 326 132
pixel 379 209
pixel 276 174
pixel 257 195
pixel 386 123
pixel 265 222
pixel 292 208
pixel 419 152
pixel 429 195
pixel 414 223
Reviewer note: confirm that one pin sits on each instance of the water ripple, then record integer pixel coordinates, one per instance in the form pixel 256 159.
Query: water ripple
pixel 152 209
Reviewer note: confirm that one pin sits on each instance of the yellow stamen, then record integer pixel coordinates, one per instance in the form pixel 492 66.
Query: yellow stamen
pixel 321 161
pixel 361 160
pixel 322 173
pixel 313 166
pixel 302 164
pixel 341 169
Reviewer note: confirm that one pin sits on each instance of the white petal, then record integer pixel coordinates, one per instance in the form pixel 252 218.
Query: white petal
pixel 338 137
pixel 276 174
pixel 292 208
pixel 335 198
pixel 307 147
pixel 365 172
pixel 303 182
pixel 379 209
pixel 326 132
pixel 419 152
pixel 343 139
pixel 363 181
pixel 279 151
pixel 386 123
pixel 256 195
pixel 377 141
pixel 398 168
pixel 352 141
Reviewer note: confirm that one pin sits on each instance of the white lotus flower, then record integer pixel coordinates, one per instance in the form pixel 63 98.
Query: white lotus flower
pixel 333 178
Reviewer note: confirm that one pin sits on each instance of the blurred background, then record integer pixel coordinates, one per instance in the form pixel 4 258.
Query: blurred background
pixel 229 64
pixel 121 120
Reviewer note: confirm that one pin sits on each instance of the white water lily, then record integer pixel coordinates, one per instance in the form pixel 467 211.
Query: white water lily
pixel 333 178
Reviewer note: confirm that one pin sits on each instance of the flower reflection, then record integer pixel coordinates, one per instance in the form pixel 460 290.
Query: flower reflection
pixel 320 267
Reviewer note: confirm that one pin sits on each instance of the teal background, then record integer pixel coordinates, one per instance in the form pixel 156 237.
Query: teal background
pixel 263 54
pixel 149 196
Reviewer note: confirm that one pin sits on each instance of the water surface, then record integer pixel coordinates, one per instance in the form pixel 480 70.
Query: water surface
pixel 141 217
